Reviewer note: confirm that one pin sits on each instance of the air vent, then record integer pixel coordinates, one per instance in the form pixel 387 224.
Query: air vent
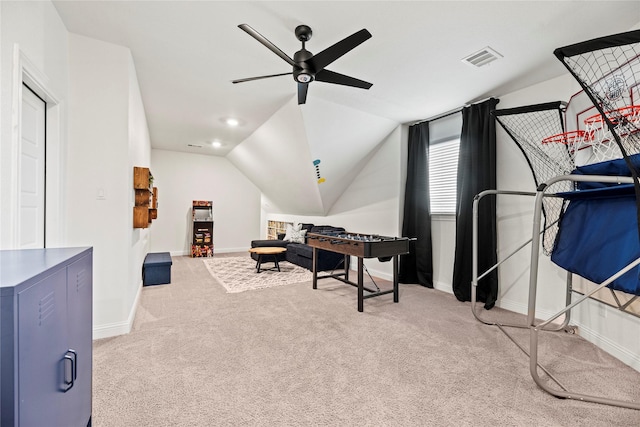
pixel 194 146
pixel 482 57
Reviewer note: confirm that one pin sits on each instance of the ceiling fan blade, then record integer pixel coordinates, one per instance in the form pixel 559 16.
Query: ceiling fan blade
pixel 249 79
pixel 340 79
pixel 330 54
pixel 302 92
pixel 262 39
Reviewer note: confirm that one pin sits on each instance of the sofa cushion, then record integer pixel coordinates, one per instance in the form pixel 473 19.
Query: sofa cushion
pixel 291 229
pixel 302 255
pixel 300 250
pixel 295 236
pixel 268 242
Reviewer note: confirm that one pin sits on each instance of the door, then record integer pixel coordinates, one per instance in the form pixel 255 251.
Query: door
pixel 31 187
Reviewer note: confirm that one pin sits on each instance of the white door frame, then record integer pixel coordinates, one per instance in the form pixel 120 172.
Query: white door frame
pixel 24 71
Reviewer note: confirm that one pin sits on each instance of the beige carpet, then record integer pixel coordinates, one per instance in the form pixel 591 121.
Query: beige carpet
pixel 294 356
pixel 238 274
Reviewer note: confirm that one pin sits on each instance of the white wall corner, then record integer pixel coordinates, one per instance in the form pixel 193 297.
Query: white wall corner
pixel 119 328
pixel 442 286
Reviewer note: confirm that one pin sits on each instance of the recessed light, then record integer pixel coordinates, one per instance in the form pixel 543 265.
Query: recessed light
pixel 216 144
pixel 232 122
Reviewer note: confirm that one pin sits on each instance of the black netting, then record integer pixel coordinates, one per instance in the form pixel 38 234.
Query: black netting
pixel 539 131
pixel 609 71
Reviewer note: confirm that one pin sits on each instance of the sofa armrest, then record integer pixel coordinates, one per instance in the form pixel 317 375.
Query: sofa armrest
pixel 269 243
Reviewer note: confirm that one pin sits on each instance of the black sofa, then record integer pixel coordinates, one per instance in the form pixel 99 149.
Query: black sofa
pixel 302 254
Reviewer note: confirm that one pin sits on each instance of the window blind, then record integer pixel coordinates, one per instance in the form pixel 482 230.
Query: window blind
pixel 443 168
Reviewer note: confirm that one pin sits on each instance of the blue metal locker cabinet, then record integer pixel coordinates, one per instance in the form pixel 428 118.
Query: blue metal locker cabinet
pixel 46 338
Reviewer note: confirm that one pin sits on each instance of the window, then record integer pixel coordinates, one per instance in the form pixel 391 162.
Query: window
pixel 443 169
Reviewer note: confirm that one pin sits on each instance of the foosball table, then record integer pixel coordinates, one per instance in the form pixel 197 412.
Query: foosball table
pixel 361 246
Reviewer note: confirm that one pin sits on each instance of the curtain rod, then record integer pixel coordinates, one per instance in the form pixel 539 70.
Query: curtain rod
pixel 439 116
pixel 450 112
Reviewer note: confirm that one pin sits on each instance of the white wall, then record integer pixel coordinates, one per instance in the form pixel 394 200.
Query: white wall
pixel 371 203
pixel 182 178
pixel 515 214
pixel 139 154
pixel 96 132
pixel 107 136
pixel 32 35
pixel 443 237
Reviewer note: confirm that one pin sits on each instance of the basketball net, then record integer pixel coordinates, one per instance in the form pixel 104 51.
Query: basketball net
pixel 603 143
pixel 548 157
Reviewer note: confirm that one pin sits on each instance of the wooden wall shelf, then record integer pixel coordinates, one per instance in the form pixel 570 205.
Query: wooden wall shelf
pixel 146 198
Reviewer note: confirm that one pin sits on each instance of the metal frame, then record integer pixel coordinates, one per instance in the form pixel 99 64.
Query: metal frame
pixel 536 328
pixel 474 272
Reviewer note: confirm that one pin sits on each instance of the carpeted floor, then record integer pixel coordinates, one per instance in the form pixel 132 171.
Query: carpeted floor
pixel 294 356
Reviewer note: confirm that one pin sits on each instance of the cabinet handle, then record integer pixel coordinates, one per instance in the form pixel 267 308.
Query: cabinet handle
pixel 75 363
pixel 73 359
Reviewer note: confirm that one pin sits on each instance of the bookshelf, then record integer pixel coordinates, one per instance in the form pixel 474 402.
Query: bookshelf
pixel 276 227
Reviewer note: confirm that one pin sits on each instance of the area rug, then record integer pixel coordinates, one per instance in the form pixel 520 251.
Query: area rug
pixel 238 274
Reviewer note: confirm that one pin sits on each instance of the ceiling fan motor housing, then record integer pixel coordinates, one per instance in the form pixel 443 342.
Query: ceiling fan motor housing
pixel 303 72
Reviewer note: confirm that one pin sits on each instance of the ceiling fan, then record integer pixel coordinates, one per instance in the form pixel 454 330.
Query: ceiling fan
pixel 308 67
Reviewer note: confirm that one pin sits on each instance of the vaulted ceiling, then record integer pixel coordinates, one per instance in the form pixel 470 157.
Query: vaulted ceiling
pixel 305 156
pixel 187 53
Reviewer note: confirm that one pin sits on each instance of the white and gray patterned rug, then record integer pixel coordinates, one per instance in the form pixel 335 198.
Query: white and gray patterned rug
pixel 238 274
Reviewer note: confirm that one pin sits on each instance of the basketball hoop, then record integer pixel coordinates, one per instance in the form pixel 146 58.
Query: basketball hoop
pixel 574 141
pixel 624 120
pixel 570 139
pixel 630 112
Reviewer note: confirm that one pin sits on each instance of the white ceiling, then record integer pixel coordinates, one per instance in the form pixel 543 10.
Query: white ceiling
pixel 187 52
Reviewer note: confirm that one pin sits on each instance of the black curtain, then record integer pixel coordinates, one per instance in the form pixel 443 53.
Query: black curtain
pixel 417 266
pixel 476 173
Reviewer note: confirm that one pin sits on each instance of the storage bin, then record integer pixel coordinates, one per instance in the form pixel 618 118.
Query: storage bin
pixel 156 269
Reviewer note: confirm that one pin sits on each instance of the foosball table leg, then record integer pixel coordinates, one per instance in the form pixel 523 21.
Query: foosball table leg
pixel 314 267
pixel 396 297
pixel 360 285
pixel 346 267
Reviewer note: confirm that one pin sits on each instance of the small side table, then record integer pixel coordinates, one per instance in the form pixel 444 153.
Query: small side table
pixel 267 251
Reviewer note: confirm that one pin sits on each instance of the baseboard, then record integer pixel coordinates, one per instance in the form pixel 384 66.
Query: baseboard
pixel 215 251
pixel 523 308
pixel 119 328
pixel 616 350
pixel 601 341
pixel 444 287
pixel 111 330
pixel 375 273
pixel 230 250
